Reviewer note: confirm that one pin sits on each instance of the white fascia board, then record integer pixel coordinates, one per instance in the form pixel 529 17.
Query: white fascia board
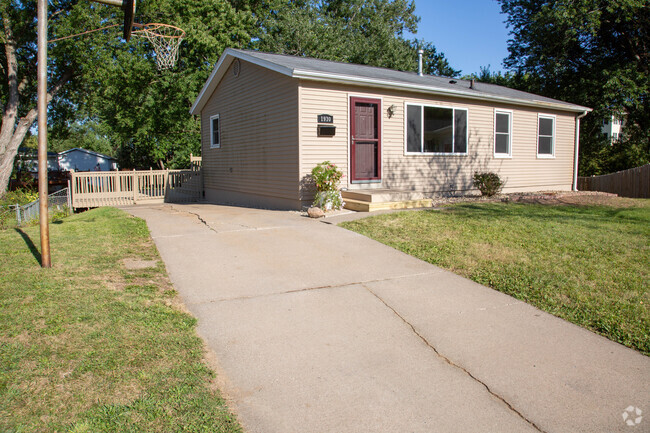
pixel 220 69
pixel 348 79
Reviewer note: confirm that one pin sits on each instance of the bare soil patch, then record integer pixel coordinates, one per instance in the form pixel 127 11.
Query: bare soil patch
pixel 131 263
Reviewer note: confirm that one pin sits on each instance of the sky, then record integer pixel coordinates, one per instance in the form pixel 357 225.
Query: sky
pixel 471 33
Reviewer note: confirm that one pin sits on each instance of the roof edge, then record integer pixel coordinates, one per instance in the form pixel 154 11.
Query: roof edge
pixel 91 152
pixel 387 84
pixel 231 53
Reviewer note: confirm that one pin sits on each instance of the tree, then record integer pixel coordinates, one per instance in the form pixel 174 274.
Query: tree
pixel 18 88
pixel 367 32
pixel 100 78
pixel 593 53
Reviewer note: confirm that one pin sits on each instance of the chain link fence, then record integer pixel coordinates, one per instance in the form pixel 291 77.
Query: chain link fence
pixel 58 202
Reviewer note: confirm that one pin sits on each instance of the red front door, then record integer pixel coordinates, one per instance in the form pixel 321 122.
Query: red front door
pixel 365 140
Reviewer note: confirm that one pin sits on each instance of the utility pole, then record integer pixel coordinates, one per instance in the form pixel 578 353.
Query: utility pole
pixel 46 261
pixel 129 11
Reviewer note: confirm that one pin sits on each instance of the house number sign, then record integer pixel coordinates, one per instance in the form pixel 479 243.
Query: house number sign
pixel 325 118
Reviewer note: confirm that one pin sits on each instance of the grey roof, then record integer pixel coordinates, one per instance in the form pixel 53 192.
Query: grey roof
pixel 326 70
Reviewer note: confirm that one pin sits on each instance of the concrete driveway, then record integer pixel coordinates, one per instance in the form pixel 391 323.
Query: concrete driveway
pixel 318 329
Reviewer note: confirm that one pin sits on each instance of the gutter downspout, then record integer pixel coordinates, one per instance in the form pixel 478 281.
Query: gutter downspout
pixel 577 149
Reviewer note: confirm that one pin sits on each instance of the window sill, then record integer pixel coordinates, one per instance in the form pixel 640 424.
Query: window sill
pixel 434 154
pixel 545 156
pixel 215 147
pixel 502 156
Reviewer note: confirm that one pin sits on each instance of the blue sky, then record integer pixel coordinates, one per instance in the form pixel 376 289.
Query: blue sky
pixel 471 33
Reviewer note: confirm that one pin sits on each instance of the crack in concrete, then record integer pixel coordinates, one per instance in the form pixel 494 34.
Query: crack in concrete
pixel 453 364
pixel 205 223
pixel 244 229
pixel 308 289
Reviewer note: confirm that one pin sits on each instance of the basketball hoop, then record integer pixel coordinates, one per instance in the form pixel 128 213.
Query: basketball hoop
pixel 165 40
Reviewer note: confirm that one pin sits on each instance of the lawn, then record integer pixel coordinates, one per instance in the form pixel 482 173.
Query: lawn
pixel 100 341
pixel 587 264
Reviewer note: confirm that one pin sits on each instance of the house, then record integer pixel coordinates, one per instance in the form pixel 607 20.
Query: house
pixel 27 160
pixel 268 119
pixel 612 129
pixel 85 160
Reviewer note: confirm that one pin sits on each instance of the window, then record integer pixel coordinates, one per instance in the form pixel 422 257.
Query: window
pixel 215 132
pixel 545 136
pixel 615 135
pixel 502 133
pixel 436 129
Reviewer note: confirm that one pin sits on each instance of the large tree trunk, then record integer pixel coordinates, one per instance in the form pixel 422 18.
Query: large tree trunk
pixel 9 146
pixel 12 135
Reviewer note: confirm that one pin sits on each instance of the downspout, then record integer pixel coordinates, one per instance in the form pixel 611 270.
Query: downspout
pixel 577 149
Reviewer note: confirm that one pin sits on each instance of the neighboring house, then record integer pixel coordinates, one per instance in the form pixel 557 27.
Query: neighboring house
pixel 85 160
pixel 612 129
pixel 268 119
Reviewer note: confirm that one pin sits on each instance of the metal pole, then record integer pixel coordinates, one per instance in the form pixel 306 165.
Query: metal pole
pixel 42 133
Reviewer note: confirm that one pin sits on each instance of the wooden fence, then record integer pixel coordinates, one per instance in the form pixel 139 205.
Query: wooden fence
pixel 119 188
pixel 634 182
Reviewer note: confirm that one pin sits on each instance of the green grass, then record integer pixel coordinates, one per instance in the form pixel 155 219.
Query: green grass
pixel 91 346
pixel 586 264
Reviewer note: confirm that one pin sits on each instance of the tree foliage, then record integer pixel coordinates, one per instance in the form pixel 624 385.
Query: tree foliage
pixel 146 109
pixel 366 32
pixel 593 53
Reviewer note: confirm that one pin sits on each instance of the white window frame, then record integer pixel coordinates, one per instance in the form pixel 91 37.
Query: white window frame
pixel 546 155
pixel 453 129
pixel 212 144
pixel 510 116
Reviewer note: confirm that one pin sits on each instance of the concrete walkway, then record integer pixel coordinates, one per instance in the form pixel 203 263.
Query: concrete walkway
pixel 317 329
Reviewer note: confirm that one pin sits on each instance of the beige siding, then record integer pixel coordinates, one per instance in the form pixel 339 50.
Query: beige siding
pixel 437 173
pixel 258 158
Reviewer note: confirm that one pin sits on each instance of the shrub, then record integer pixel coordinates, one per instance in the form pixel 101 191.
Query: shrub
pixel 488 183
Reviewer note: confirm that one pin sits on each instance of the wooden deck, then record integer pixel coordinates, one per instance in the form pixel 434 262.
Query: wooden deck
pixel 369 200
pixel 119 188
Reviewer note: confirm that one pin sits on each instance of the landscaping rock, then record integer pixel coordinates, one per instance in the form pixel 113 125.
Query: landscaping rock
pixel 315 212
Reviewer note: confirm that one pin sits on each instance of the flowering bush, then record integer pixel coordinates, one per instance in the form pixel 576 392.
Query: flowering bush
pixel 326 176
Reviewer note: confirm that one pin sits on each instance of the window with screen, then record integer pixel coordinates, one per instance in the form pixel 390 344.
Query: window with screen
pixel 502 133
pixel 545 136
pixel 215 131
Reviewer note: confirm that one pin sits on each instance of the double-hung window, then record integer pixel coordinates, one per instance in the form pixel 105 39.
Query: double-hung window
pixel 502 134
pixel 436 130
pixel 545 136
pixel 215 131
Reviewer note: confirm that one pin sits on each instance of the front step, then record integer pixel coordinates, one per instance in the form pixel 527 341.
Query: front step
pixel 367 206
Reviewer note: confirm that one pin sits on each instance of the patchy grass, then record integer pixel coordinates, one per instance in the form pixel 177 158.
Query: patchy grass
pixel 99 342
pixel 587 264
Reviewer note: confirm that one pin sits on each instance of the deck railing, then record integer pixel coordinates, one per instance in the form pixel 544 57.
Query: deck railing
pixel 195 162
pixel 119 188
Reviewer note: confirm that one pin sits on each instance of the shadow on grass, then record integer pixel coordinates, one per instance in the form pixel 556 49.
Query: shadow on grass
pixel 30 245
pixel 544 212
